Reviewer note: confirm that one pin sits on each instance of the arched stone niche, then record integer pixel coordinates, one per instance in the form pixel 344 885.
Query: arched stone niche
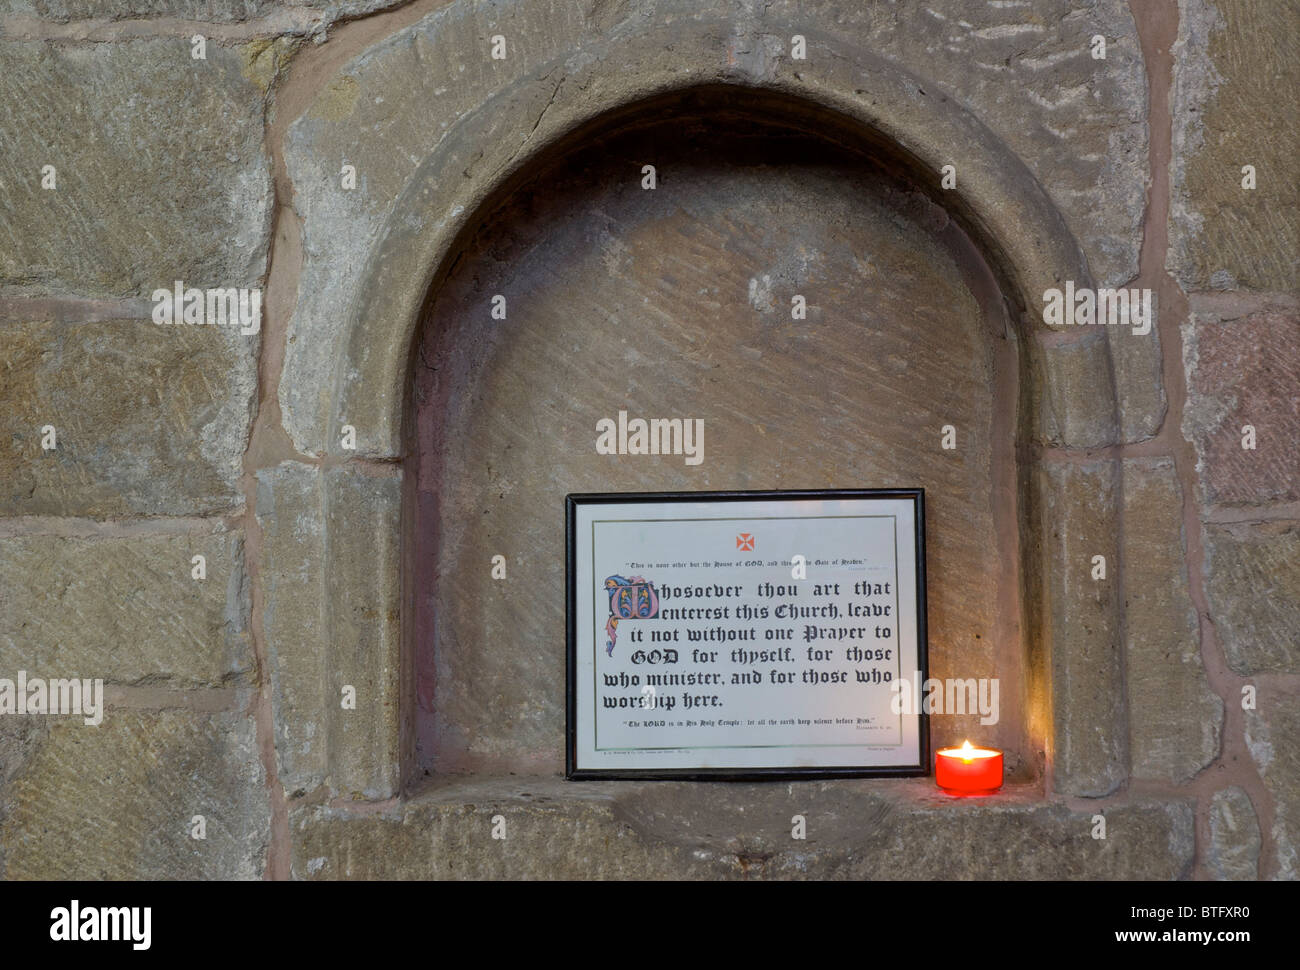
pixel 374 261
pixel 677 301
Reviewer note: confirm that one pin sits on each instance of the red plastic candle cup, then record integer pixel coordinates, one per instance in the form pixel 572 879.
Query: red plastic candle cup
pixel 968 770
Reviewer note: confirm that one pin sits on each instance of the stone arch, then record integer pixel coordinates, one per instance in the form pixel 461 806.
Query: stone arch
pixel 349 362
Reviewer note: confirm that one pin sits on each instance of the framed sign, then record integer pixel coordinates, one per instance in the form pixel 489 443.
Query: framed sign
pixel 745 634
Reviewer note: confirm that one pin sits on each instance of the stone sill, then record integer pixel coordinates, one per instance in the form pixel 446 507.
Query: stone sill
pixel 855 829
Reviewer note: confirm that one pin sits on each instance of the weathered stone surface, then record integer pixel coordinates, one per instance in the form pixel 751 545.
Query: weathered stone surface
pixel 1139 380
pixel 677 303
pixel 1252 575
pixel 289 511
pixel 1026 71
pixel 126 609
pixel 1070 373
pixel 1271 732
pixel 363 595
pixel 1091 736
pixel 294 12
pixel 1077 123
pixel 1233 852
pixel 331 623
pixel 117 801
pixel 162 174
pixel 1243 368
pixel 874 830
pixel 18 737
pixel 148 419
pixel 1175 719
pixel 1233 61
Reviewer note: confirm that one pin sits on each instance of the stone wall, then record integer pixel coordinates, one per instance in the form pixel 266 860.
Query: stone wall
pixel 1162 698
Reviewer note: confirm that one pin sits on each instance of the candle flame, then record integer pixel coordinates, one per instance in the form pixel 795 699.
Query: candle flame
pixel 968 753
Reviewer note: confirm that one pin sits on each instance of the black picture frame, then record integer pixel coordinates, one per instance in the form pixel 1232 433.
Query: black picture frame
pixel 574 773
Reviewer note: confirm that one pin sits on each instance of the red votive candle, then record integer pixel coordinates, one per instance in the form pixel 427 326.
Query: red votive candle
pixel 968 770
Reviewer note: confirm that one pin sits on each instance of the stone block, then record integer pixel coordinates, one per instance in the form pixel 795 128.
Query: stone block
pixel 332 622
pixel 363 594
pixel 1139 380
pixel 1175 720
pixel 148 419
pixel 18 737
pixel 1252 582
pixel 1076 524
pixel 289 512
pixel 1069 373
pixel 161 169
pixel 1234 62
pixel 452 839
pixel 118 801
pixel 126 610
pixel 1243 368
pixel 1233 852
pixel 855 831
pixel 1271 730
